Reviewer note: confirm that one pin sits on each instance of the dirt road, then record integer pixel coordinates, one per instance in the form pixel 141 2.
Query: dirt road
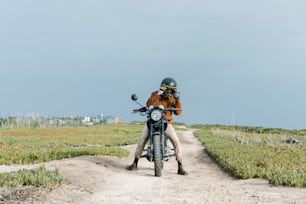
pixel 98 180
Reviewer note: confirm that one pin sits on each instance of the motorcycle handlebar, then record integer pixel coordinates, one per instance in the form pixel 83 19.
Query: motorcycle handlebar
pixel 174 109
pixel 145 109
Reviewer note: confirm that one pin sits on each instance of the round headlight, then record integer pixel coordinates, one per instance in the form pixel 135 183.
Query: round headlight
pixel 156 115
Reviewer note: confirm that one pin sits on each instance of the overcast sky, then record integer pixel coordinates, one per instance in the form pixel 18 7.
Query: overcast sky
pixel 235 61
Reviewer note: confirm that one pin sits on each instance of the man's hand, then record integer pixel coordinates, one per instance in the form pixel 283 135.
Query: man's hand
pixel 176 94
pixel 171 99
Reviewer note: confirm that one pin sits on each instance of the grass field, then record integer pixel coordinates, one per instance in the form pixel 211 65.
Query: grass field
pixel 23 146
pixel 250 152
pixel 36 145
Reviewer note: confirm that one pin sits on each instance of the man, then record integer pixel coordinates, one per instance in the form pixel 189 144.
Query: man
pixel 168 96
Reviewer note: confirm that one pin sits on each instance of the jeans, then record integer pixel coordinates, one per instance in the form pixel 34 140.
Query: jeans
pixel 172 136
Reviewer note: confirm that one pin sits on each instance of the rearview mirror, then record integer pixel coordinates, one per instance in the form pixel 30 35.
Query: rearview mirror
pixel 134 97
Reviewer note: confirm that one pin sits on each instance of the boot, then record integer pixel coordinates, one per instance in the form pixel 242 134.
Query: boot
pixel 181 170
pixel 133 166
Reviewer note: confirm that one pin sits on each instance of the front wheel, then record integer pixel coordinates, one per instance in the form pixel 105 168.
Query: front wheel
pixel 158 162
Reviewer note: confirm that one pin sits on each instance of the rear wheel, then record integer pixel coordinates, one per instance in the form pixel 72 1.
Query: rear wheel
pixel 158 162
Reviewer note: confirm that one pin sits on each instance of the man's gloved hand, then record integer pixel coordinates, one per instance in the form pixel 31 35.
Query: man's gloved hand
pixel 176 94
pixel 171 99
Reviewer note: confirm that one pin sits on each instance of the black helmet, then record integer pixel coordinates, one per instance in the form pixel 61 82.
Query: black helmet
pixel 169 83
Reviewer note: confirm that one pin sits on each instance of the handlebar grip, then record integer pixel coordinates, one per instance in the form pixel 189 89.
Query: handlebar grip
pixel 143 109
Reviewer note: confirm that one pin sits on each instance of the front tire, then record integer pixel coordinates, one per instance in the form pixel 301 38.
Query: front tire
pixel 158 163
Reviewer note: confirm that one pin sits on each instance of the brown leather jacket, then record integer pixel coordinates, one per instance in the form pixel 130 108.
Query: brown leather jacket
pixel 155 99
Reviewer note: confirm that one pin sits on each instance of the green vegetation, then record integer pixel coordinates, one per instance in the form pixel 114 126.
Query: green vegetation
pixel 256 152
pixel 35 145
pixel 22 146
pixel 40 177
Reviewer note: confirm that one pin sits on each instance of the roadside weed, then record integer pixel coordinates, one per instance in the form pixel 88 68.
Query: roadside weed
pixel 249 154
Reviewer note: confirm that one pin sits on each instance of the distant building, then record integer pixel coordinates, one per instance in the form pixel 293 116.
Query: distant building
pixel 112 120
pixel 35 121
pixel 87 121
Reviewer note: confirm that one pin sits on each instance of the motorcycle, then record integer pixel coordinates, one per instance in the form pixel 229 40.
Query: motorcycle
pixel 157 150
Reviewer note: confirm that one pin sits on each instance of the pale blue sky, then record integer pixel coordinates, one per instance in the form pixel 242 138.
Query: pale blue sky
pixel 235 61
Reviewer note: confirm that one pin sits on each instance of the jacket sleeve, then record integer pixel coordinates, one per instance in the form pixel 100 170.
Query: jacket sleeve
pixel 176 103
pixel 153 99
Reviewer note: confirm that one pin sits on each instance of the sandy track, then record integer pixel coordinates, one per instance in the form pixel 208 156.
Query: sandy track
pixel 97 179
